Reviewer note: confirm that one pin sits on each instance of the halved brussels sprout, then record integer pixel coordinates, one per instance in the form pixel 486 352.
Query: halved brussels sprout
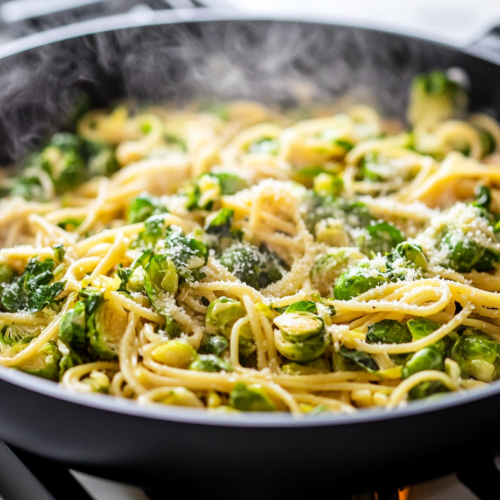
pixel 175 353
pixel 220 223
pixel 187 253
pixel 143 207
pixel 106 328
pixel 101 159
pixel 465 255
pixel 72 330
pixel 388 331
pixel 222 314
pixel 381 237
pixel 301 352
pixel 215 344
pixel 254 267
pixel 136 280
pixel 411 252
pixel 62 160
pixel 300 326
pixel 357 280
pixel 45 363
pixel 328 185
pixel 161 277
pixel 250 398
pixel 327 269
pixel 429 358
pixel 478 355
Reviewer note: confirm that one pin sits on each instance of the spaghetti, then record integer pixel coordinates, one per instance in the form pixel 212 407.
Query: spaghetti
pixel 234 259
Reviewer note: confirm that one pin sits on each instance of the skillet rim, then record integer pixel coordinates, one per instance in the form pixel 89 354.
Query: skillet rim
pixel 204 14
pixel 190 416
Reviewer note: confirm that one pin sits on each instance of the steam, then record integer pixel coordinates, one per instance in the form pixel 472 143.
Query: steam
pixel 282 64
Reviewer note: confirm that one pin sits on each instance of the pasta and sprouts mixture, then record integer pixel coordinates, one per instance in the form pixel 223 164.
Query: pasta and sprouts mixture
pixel 234 258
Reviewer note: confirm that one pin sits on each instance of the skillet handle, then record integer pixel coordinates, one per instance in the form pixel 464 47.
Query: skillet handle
pixel 487 47
pixel 26 477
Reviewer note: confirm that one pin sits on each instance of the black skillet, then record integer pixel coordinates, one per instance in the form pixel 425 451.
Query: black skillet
pixel 166 55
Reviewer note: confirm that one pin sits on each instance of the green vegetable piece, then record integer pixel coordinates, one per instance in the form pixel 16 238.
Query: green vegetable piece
pixel 161 276
pixel 478 355
pixel 106 328
pixel 187 253
pixel 465 255
pixel 264 146
pixel 370 169
pixel 360 358
pixel 256 268
pixel 421 327
pixel 62 159
pixel 328 185
pixel 427 389
pixel 72 330
pixel 250 398
pixel 382 237
pixel 230 183
pixel 302 306
pixel 154 229
pixel 301 352
pixel 246 343
pixel 175 353
pixel 69 359
pixel 318 208
pixel 45 363
pixel 483 197
pixel 312 368
pixel 70 224
pixel 172 328
pixel 488 142
pixel 32 291
pixel 208 188
pixel 59 252
pixel 143 207
pixel 429 358
pixel 210 363
pixel 434 97
pixel 101 159
pixel 221 222
pixel 327 269
pixel 388 331
pixel 175 142
pixel 215 344
pixel 7 275
pixel 357 280
pixel 29 186
pixel 411 252
pixel 300 326
pixel 222 314
pixel 136 279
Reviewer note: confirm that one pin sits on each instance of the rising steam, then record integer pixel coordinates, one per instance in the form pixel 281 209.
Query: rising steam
pixel 276 63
